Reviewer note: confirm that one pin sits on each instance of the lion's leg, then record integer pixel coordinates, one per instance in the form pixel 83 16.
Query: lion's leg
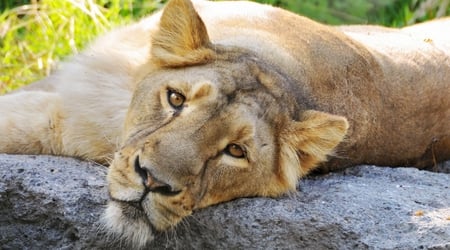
pixel 30 123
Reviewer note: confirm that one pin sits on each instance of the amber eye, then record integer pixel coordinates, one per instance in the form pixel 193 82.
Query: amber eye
pixel 176 100
pixel 235 151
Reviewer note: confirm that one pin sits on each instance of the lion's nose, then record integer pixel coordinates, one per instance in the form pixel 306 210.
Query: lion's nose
pixel 151 183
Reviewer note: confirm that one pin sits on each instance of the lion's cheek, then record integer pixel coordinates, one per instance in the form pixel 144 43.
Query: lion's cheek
pixel 166 212
pixel 222 192
pixel 124 185
pixel 226 187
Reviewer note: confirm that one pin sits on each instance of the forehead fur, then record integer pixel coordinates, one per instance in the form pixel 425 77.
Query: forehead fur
pixel 269 85
pixel 239 76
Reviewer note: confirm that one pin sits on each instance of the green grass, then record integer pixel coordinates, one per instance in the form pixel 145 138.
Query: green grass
pixel 36 34
pixel 395 13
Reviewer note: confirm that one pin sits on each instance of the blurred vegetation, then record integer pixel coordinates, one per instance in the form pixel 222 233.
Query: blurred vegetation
pixel 36 34
pixel 394 13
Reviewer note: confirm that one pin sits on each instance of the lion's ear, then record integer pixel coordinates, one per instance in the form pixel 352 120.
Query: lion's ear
pixel 182 38
pixel 307 142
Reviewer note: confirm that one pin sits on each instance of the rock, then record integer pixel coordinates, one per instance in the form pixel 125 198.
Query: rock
pixel 52 202
pixel 49 202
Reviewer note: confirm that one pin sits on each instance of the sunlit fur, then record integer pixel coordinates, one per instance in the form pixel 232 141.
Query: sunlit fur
pixel 295 95
pixel 121 228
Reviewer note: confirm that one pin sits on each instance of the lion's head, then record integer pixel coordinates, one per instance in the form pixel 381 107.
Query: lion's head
pixel 212 123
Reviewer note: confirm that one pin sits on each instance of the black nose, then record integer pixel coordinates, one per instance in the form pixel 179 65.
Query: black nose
pixel 151 183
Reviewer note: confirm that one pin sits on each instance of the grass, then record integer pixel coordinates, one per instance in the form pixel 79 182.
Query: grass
pixel 36 34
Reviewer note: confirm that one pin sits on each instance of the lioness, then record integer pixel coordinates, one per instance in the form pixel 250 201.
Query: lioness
pixel 209 101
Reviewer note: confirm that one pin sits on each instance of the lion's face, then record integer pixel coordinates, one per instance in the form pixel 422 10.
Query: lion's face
pixel 207 127
pixel 196 137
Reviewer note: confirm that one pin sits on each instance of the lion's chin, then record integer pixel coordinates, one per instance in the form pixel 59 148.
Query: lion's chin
pixel 127 224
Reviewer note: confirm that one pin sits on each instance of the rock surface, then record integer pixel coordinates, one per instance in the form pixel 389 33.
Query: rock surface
pixel 54 203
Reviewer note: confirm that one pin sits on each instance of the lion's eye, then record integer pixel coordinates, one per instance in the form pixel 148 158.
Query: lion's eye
pixel 176 100
pixel 235 151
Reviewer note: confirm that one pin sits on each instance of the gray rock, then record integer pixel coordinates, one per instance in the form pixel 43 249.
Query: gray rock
pixel 49 202
pixel 54 203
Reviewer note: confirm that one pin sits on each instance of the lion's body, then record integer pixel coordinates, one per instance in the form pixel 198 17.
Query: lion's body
pixel 392 85
pixel 374 80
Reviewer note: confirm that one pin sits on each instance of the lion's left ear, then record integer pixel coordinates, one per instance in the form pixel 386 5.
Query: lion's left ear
pixel 182 38
pixel 306 143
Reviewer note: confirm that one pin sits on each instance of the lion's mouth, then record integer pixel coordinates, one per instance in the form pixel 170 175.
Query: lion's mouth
pixel 136 204
pixel 142 205
pixel 130 209
pixel 158 214
pixel 127 222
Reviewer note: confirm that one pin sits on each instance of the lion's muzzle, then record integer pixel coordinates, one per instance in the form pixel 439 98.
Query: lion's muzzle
pixel 151 183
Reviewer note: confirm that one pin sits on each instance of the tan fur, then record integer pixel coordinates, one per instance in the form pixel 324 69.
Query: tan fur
pixel 295 95
pixel 314 139
pixel 181 41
